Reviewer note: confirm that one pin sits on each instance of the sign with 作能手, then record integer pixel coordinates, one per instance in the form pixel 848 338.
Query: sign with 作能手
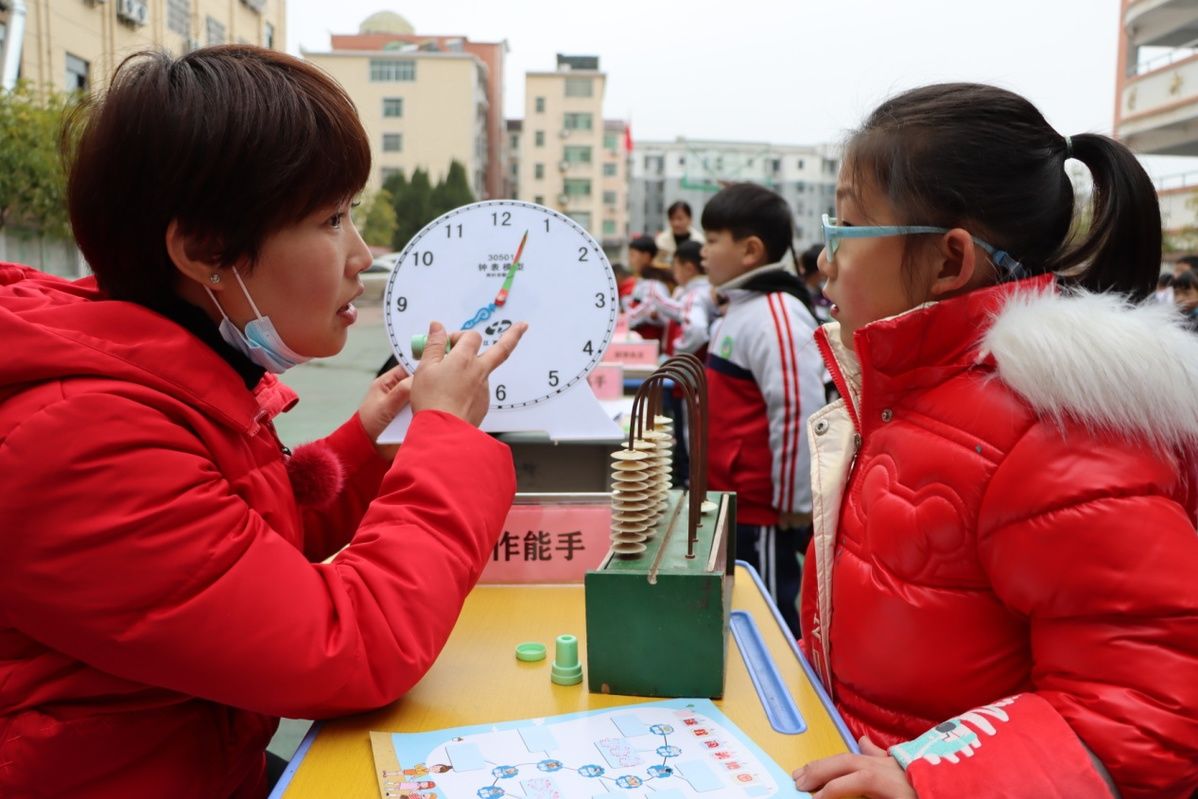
pixel 550 544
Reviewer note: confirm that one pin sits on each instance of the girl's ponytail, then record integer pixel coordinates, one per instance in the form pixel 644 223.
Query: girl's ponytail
pixel 1121 251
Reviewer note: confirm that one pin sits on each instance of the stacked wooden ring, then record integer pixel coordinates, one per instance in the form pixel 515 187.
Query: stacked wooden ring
pixel 640 486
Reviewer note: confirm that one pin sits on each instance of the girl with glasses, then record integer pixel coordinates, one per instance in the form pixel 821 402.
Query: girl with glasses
pixel 1000 595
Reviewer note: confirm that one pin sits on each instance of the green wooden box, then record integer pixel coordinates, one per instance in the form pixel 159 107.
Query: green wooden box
pixel 657 624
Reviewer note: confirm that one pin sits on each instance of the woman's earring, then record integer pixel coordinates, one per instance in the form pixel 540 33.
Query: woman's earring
pixel 214 277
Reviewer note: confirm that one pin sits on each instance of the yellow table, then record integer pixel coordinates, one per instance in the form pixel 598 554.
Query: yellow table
pixel 477 680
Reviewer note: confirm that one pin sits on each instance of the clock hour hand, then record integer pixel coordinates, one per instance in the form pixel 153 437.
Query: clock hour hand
pixel 484 313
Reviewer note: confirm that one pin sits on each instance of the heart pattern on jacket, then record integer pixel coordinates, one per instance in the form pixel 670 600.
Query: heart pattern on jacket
pixel 915 533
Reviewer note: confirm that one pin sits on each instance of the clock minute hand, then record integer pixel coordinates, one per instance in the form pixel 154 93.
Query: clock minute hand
pixel 501 297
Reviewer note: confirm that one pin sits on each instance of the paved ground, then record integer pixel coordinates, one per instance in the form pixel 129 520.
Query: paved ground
pixel 330 390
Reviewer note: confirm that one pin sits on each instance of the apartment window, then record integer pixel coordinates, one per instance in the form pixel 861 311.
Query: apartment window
pixel 800 163
pixel 388 171
pixel 578 187
pixel 609 227
pixel 539 138
pixel 268 34
pixel 577 155
pixel 540 105
pixel 578 121
pixel 579 87
pixel 215 31
pixel 392 142
pixel 609 170
pixel 391 71
pixel 539 199
pixel 515 142
pixel 538 171
pixel 77 74
pixel 609 198
pixel 583 218
pixel 392 106
pixel 178 16
pixel 611 142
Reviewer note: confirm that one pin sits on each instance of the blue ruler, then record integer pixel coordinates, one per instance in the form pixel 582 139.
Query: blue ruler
pixel 779 705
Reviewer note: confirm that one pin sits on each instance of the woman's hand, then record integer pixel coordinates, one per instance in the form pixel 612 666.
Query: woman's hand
pixel 385 398
pixel 458 383
pixel 873 774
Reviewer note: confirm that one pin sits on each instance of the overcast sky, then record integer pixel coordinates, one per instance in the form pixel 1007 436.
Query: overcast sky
pixel 783 71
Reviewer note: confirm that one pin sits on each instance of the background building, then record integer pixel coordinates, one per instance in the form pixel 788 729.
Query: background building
pixel 693 170
pixel 435 115
pixel 1156 106
pixel 511 185
pixel 570 157
pixel 76 44
pixel 420 109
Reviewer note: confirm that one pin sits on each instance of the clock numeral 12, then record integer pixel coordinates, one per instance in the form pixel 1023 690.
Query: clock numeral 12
pixel 502 220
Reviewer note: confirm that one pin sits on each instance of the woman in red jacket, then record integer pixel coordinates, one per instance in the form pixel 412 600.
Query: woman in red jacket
pixel 162 595
pixel 1001 595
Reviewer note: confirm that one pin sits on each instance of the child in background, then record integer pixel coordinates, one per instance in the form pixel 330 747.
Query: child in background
pixel 691 309
pixel 763 374
pixel 1001 587
pixel 653 287
pixel 1185 297
pixel 625 281
pixel 813 279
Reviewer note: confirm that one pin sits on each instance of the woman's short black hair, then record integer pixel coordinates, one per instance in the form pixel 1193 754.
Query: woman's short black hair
pixel 234 142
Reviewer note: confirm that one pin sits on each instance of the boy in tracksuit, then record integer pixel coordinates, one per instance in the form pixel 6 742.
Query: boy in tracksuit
pixel 764 380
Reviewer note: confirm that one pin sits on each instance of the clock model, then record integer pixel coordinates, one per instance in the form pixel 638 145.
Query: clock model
pixel 488 265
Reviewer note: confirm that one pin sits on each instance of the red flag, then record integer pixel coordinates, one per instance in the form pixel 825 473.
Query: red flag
pixel 628 137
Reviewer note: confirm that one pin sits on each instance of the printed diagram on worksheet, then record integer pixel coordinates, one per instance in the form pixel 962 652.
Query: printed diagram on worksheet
pixel 675 749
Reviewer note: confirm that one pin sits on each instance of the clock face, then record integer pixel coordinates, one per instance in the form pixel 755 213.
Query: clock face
pixel 462 270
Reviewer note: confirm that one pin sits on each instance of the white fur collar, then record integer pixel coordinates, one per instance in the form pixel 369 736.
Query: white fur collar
pixel 1101 361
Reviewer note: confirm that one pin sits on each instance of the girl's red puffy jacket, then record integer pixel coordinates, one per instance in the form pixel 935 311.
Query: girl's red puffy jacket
pixel 161 603
pixel 1003 581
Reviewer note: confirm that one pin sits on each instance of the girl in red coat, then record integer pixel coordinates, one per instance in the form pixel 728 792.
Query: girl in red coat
pixel 1001 591
pixel 163 598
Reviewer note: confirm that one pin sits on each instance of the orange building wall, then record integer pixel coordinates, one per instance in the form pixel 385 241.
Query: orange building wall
pixel 491 54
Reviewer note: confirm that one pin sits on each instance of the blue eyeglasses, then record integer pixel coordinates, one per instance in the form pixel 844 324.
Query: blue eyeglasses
pixel 834 232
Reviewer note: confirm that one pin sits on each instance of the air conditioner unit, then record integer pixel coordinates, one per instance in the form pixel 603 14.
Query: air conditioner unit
pixel 565 134
pixel 563 199
pixel 563 166
pixel 134 12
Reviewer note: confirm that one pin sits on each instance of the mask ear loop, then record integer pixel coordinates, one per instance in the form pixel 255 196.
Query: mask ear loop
pixel 246 292
pixel 212 297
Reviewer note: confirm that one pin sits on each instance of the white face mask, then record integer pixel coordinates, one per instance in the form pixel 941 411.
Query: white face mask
pixel 261 343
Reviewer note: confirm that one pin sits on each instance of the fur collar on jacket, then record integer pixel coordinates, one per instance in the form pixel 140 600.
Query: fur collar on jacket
pixel 1099 360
